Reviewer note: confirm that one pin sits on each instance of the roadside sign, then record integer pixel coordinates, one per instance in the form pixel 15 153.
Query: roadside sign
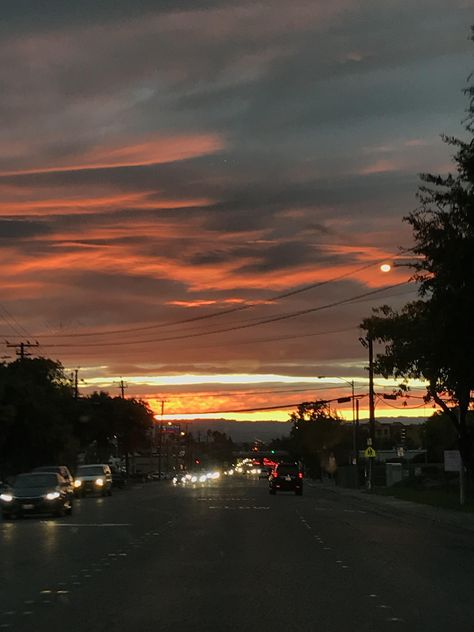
pixel 452 461
pixel 370 453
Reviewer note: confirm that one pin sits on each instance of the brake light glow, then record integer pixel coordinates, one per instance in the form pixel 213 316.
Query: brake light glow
pixel 300 474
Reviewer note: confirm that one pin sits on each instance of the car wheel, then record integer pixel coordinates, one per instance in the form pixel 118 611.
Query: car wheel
pixel 7 516
pixel 69 509
pixel 272 491
pixel 109 492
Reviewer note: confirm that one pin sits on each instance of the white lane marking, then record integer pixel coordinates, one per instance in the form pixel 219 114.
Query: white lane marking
pixel 396 619
pixel 25 613
pixel 373 595
pixel 384 606
pixel 236 508
pixel 95 524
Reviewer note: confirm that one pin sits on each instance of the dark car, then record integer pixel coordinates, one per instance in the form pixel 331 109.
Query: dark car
pixel 119 477
pixel 37 492
pixel 286 477
pixel 62 470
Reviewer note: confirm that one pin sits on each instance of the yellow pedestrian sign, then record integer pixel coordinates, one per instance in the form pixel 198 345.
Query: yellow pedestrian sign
pixel 370 453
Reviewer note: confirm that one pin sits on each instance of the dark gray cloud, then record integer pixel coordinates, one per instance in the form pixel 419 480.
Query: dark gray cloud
pixel 284 142
pixel 22 229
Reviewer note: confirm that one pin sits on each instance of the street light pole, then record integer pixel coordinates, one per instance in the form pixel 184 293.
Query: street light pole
pixel 368 343
pixel 371 389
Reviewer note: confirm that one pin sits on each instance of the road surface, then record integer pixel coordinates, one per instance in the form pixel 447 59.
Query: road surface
pixel 230 557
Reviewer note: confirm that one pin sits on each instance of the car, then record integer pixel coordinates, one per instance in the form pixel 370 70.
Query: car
pixel 62 470
pixel 119 477
pixel 286 477
pixel 93 478
pixel 37 493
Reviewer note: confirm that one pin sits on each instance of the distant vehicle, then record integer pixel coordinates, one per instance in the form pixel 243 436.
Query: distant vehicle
pixel 144 467
pixel 265 472
pixel 37 492
pixel 62 470
pixel 286 477
pixel 95 478
pixel 119 477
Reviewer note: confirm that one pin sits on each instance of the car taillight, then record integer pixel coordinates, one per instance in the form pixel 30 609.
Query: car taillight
pixel 300 474
pixel 275 474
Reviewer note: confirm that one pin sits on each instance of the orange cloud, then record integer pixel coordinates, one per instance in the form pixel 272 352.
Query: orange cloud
pixel 159 150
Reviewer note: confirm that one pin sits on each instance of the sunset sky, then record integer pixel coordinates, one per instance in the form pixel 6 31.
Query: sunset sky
pixel 173 170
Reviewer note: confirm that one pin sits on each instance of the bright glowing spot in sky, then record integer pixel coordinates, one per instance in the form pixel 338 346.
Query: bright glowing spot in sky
pixel 190 379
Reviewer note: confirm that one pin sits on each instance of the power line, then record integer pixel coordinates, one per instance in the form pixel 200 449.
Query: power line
pixel 262 408
pixel 230 310
pixel 22 348
pixel 385 402
pixel 235 327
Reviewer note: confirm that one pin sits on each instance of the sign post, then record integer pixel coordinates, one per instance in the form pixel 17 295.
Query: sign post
pixel 370 454
pixel 453 463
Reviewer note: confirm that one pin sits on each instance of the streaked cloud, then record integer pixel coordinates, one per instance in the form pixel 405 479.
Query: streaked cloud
pixel 162 160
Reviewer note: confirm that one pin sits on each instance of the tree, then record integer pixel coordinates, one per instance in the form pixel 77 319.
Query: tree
pixel 35 415
pixel 433 337
pixel 106 421
pixel 316 433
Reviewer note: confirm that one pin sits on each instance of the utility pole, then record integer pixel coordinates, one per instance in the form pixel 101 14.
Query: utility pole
pixel 368 343
pixel 75 383
pixel 356 441
pixel 22 348
pixel 160 439
pixel 122 387
pixel 371 390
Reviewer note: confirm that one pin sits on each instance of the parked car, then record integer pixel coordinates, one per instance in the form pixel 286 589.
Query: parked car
pixel 37 492
pixel 62 470
pixel 95 478
pixel 119 477
pixel 286 477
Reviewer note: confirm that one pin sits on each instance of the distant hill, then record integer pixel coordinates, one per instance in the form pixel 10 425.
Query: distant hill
pixel 247 431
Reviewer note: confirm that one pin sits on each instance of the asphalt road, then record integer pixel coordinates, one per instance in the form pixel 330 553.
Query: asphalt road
pixel 230 557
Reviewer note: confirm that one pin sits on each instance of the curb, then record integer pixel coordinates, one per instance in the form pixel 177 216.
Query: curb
pixel 436 515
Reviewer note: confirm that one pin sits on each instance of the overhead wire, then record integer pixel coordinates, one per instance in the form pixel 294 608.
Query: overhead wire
pixel 219 313
pixel 235 327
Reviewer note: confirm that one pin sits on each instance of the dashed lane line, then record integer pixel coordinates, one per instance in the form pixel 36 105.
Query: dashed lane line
pixel 95 524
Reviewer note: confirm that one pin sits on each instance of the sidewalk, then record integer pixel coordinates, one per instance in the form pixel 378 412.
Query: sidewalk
pixel 389 505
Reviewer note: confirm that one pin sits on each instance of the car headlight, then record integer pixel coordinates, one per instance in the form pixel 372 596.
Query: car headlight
pixel 52 495
pixel 7 498
pixel 193 479
pixel 77 483
pixel 203 478
pixel 99 482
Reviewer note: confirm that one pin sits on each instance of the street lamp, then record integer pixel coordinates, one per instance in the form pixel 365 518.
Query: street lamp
pixel 400 263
